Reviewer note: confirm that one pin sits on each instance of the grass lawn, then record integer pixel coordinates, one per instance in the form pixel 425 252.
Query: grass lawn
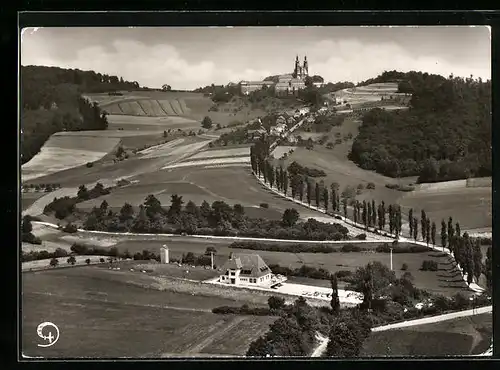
pixel 446 280
pixel 100 314
pixel 462 336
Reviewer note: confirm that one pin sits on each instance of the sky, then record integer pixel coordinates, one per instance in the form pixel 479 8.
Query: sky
pixel 191 57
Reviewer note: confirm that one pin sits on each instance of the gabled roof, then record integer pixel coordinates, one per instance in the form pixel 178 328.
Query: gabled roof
pixel 251 263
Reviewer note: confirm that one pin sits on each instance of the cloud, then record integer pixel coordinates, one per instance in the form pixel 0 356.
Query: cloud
pixel 151 66
pixel 351 60
pixel 185 67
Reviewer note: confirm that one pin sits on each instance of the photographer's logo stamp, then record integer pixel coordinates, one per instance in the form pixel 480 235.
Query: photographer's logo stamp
pixel 49 332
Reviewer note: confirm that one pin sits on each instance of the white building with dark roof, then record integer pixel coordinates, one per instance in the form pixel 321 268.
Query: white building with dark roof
pixel 287 84
pixel 248 269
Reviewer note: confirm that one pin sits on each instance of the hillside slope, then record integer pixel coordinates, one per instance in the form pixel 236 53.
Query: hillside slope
pixel 51 101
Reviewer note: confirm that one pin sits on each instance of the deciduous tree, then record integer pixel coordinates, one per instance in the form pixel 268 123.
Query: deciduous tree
pixel 290 217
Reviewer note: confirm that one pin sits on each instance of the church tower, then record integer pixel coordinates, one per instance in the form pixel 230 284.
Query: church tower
pixel 297 67
pixel 306 67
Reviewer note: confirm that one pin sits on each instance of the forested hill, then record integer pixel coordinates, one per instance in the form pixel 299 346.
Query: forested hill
pixel 445 135
pixel 51 101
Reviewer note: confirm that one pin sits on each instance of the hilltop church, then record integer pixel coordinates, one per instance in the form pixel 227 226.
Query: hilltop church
pixel 287 84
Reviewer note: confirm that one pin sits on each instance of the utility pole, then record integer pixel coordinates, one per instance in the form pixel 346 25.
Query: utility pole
pixel 391 259
pixel 212 259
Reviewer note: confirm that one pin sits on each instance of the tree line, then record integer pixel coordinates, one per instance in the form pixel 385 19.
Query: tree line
pixel 445 135
pixel 219 218
pixel 65 206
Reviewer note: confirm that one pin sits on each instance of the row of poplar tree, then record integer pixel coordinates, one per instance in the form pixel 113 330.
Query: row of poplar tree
pixel 465 250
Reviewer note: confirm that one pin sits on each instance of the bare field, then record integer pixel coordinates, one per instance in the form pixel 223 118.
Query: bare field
pixel 94 305
pixel 463 336
pixel 471 207
pixel 61 152
pixel 137 193
pixel 243 161
pixel 136 123
pixel 230 184
pixel 219 153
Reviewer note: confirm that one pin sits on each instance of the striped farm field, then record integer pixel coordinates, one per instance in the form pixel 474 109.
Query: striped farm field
pixel 177 149
pixel 146 107
pixel 104 99
pixel 236 152
pixel 211 162
pixel 176 107
pixel 184 107
pixel 156 108
pixel 125 108
pixel 167 107
pixel 137 109
pixel 113 109
pixel 170 144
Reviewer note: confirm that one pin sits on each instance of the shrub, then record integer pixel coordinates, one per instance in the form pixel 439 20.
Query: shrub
pixel 370 186
pixel 87 261
pixel 123 182
pixel 290 248
pixel 59 252
pixel 361 237
pixel 346 248
pixel 405 188
pixel 404 267
pixel 385 248
pixel 442 303
pixel 429 265
pixel 30 238
pixel 90 164
pixel 70 228
pixel 101 260
pixel 243 310
pixel 276 303
pixel 460 301
pixel 264 205
pixel 342 274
